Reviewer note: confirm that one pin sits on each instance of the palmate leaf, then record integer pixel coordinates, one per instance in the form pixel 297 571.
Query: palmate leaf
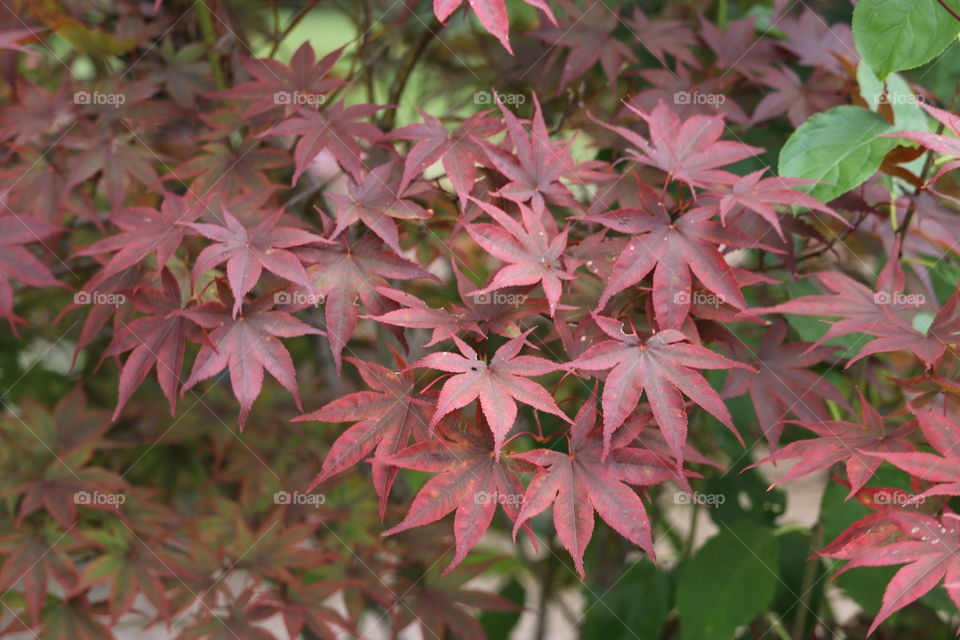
pixel 498 385
pixel 665 366
pixel 246 344
pixel 470 480
pixel 17 262
pixel 689 151
pixel 943 471
pixel 492 15
pixel 145 231
pixel 593 476
pixel 884 313
pixel 783 384
pixel 534 255
pixel 248 252
pixel 929 546
pixel 673 250
pixel 156 340
pixel 459 150
pixel 385 418
pixel 858 445
pixel 348 271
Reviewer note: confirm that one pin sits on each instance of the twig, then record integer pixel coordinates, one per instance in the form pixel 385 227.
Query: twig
pixel 949 10
pixel 806 585
pixel 404 75
pixel 290 27
pixel 927 164
pixel 204 17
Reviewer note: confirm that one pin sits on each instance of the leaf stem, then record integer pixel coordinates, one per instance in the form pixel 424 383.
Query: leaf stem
pixel 927 165
pixel 949 10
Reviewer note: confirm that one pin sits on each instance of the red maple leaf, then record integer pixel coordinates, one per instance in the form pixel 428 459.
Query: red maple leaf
pixel 689 151
pixel 593 476
pixel 929 546
pixel 884 313
pixel 497 384
pixel 853 443
pixel 145 230
pixel 665 366
pixel 248 252
pixel 347 271
pixel 278 85
pixel 534 172
pixel 336 129
pixel 19 263
pixel 376 200
pixel 760 194
pixel 672 249
pixel 535 256
pixel 471 480
pixel 157 340
pixel 459 150
pixel 589 36
pixel 385 419
pixel 246 345
pixel 783 383
pixel 943 470
pixel 492 15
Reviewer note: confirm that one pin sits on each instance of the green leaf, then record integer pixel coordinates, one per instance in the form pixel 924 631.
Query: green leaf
pixel 730 581
pixel 636 607
pixel 499 624
pixel 839 148
pixel 892 35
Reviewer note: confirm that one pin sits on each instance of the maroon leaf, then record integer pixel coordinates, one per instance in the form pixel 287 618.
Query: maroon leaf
pixel 246 345
pixel 593 476
pixel 470 480
pixel 385 419
pixel 497 384
pixel 665 366
pixel 248 252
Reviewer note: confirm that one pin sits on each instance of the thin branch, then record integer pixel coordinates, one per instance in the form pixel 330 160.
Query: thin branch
pixel 949 10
